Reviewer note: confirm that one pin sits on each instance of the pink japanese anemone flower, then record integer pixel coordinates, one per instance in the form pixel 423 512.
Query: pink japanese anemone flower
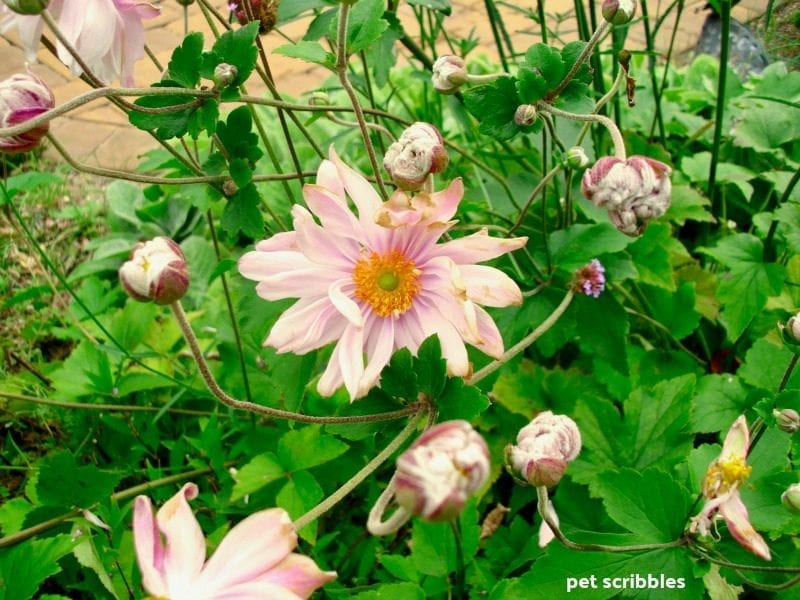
pixel 721 488
pixel 254 561
pixel 378 282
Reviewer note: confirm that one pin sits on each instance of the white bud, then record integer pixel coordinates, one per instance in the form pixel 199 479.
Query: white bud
pixel 449 73
pixel 156 271
pixel 418 153
pixel 544 447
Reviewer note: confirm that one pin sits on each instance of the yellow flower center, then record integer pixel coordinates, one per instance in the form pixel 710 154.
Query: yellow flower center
pixel 387 282
pixel 722 476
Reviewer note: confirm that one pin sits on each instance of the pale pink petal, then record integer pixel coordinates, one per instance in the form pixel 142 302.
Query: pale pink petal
pixel 737 441
pixel 149 549
pixel 331 379
pixel 259 265
pixel 332 212
pixel 445 203
pixel 297 284
pixel 379 347
pixel 131 45
pixel 285 240
pixel 362 194
pixel 408 331
pixel 185 549
pixel 309 324
pixel 489 286
pixel 299 574
pixel 90 26
pixel 328 178
pixel 249 550
pixel 351 361
pixel 478 247
pixel 460 313
pixel 735 514
pixel 321 245
pixel 491 340
pixel 28 27
pixel 453 349
pixel 255 590
pixel 340 298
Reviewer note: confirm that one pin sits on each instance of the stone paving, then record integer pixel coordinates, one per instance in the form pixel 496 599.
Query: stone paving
pixel 98 133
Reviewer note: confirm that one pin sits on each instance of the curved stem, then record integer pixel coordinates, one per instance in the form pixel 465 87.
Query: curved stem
pixel 613 130
pixel 525 342
pixel 375 523
pixel 219 393
pixel 582 57
pixel 374 126
pixel 539 187
pixel 356 479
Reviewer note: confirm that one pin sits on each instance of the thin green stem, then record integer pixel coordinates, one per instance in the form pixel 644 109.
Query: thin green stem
pixel 651 64
pixel 582 57
pixel 769 245
pixel 365 472
pixel 536 191
pixel 613 130
pixel 460 574
pixel 719 113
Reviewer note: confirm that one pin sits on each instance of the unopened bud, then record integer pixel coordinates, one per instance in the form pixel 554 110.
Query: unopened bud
pixel 791 498
pixel 787 419
pixel 576 158
pixel 449 73
pixel 156 271
pixel 27 7
pixel 441 470
pixel 793 327
pixel 225 74
pixel 319 99
pixel 525 115
pixel 229 188
pixel 418 153
pixel 23 97
pixel 618 12
pixel 544 447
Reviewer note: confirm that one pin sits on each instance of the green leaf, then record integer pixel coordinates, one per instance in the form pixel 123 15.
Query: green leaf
pixel 547 61
pixel 494 105
pixel 312 52
pixel 570 54
pixel 204 118
pixel 62 482
pixel 432 548
pixel 261 471
pixel 649 503
pixel 688 205
pixel 398 378
pixel 166 125
pixel 236 47
pixel 573 247
pixel 460 401
pixel 651 255
pixel 242 213
pixel 765 364
pixel 25 566
pixel 430 367
pixel 531 86
pixel 300 494
pixel 605 337
pixel 675 310
pixel 401 567
pixel 308 447
pixel 393 591
pixel 442 6
pixel 719 400
pixel 365 24
pixel 184 66
pixel 86 554
pixel 767 127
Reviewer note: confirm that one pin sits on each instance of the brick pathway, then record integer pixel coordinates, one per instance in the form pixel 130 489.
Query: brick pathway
pixel 98 133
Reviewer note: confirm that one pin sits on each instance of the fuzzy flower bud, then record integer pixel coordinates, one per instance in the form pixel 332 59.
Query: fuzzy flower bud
pixel 791 498
pixel 418 153
pixel 544 447
pixel 634 191
pixel 590 279
pixel 441 470
pixel 156 271
pixel 26 7
pixel 618 12
pixel 224 75
pixel 793 326
pixel 449 74
pixel 576 158
pixel 23 97
pixel 525 115
pixel 788 420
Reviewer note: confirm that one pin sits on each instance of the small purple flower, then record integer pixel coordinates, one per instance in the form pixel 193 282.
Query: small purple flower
pixel 590 279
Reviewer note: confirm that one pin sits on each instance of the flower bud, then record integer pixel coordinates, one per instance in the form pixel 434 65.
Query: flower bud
pixel 441 470
pixel 319 98
pixel 23 97
pixel 525 115
pixel 544 447
pixel 418 153
pixel 449 73
pixel 27 7
pixel 590 279
pixel 788 420
pixel 791 498
pixel 793 327
pixel 576 158
pixel 224 75
pixel 156 271
pixel 618 12
pixel 634 191
pixel 185 2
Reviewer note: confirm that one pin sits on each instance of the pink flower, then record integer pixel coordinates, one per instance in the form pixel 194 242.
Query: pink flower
pixel 721 486
pixel 590 279
pixel 634 191
pixel 253 561
pixel 108 34
pixel 374 289
pixel 441 470
pixel 23 97
pixel 544 447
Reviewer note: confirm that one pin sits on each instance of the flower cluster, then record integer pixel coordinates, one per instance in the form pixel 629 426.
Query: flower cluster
pixel 255 560
pixel 590 279
pixel 634 191
pixel 108 34
pixel 379 281
pixel 23 97
pixel 544 447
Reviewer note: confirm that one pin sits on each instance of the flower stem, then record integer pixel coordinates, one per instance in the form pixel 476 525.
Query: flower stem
pixel 219 393
pixel 582 57
pixel 525 342
pixel 341 70
pixel 541 493
pixel 539 187
pixel 460 573
pixel 613 130
pixel 324 506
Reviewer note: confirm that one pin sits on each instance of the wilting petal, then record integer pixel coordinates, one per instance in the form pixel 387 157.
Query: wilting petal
pixel 253 547
pixel 149 549
pixel 737 441
pixel 491 340
pixel 299 574
pixel 735 514
pixel 185 549
pixel 478 247
pixel 489 286
pixel 445 203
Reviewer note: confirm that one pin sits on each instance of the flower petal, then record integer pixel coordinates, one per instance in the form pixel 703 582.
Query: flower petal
pixel 478 247
pixel 309 324
pixel 328 178
pixel 255 590
pixel 331 379
pixel 251 549
pixel 362 194
pixel 489 286
pixel 185 548
pixel 351 361
pixel 735 514
pixel 737 441
pixel 332 212
pixel 149 549
pixel 321 245
pixel 299 574
pixel 344 303
pixel 491 341
pixel 379 347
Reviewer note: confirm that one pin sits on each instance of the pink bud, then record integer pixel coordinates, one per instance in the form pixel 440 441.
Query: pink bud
pixel 525 115
pixel 544 447
pixel 418 153
pixel 634 191
pixel 449 73
pixel 441 470
pixel 156 271
pixel 590 279
pixel 618 12
pixel 787 419
pixel 23 97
